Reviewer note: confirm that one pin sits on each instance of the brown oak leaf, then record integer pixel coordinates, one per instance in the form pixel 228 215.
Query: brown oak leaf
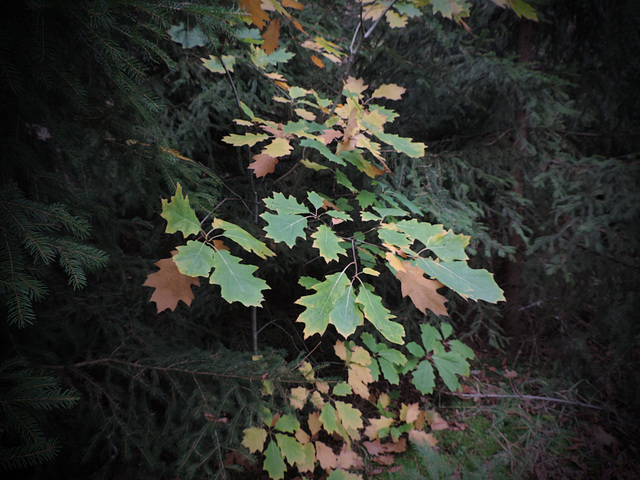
pixel 170 285
pixel 421 290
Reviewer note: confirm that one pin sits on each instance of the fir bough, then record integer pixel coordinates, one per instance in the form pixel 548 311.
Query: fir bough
pixel 24 393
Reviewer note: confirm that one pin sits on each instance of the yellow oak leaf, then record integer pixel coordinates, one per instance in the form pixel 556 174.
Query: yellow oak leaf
pixel 263 164
pixel 355 86
pixel 396 20
pixel 390 91
pixel 421 290
pixel 359 376
pixel 298 397
pixel 170 285
pixel 278 147
pixel 302 113
pixel 375 425
pixel 341 350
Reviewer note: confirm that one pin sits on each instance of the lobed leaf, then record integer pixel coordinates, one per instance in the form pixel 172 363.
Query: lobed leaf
pixel 179 215
pixel 236 280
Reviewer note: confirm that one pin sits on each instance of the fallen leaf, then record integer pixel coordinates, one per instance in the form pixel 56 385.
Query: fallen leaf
pixel 422 438
pixel 435 421
pixel 348 459
pixel 325 456
pixel 170 285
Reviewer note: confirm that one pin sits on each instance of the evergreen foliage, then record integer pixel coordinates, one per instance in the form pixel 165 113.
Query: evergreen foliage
pixel 111 105
pixel 25 392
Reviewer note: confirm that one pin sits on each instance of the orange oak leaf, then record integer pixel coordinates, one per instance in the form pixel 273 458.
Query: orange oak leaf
pixel 317 61
pixel 421 290
pixel 325 456
pixel 435 421
pixel 329 135
pixel 315 424
pixel 271 36
pixel 257 15
pixel 292 4
pixel 263 164
pixel 170 285
pixel 422 438
pixel 347 459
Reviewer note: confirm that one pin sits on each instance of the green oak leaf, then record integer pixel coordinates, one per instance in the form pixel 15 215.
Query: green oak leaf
pixel 194 259
pixel 323 149
pixel 179 215
pixel 429 336
pixel 402 144
pixel 328 243
pixel 287 424
pixel 388 234
pixel 249 139
pixel 379 316
pixel 392 355
pixel 329 419
pixel 319 305
pixel 254 438
pixel 424 378
pixel 420 231
pixel 448 246
pixel 450 364
pixel 415 349
pixel 389 371
pixel 345 314
pixel 273 462
pixel 236 280
pixel 341 389
pixel 284 227
pixel 316 200
pixel 243 238
pixel 350 417
pixel 282 204
pixel 458 276
pixel 291 449
pixel 446 330
pixel 451 9
pixel 461 349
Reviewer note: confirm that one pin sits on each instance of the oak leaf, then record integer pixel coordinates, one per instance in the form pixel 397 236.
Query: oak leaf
pixel 170 285
pixel 390 91
pixel 421 290
pixel 347 458
pixel 423 438
pixel 325 456
pixel 377 424
pixel 257 15
pixel 271 35
pixel 263 164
